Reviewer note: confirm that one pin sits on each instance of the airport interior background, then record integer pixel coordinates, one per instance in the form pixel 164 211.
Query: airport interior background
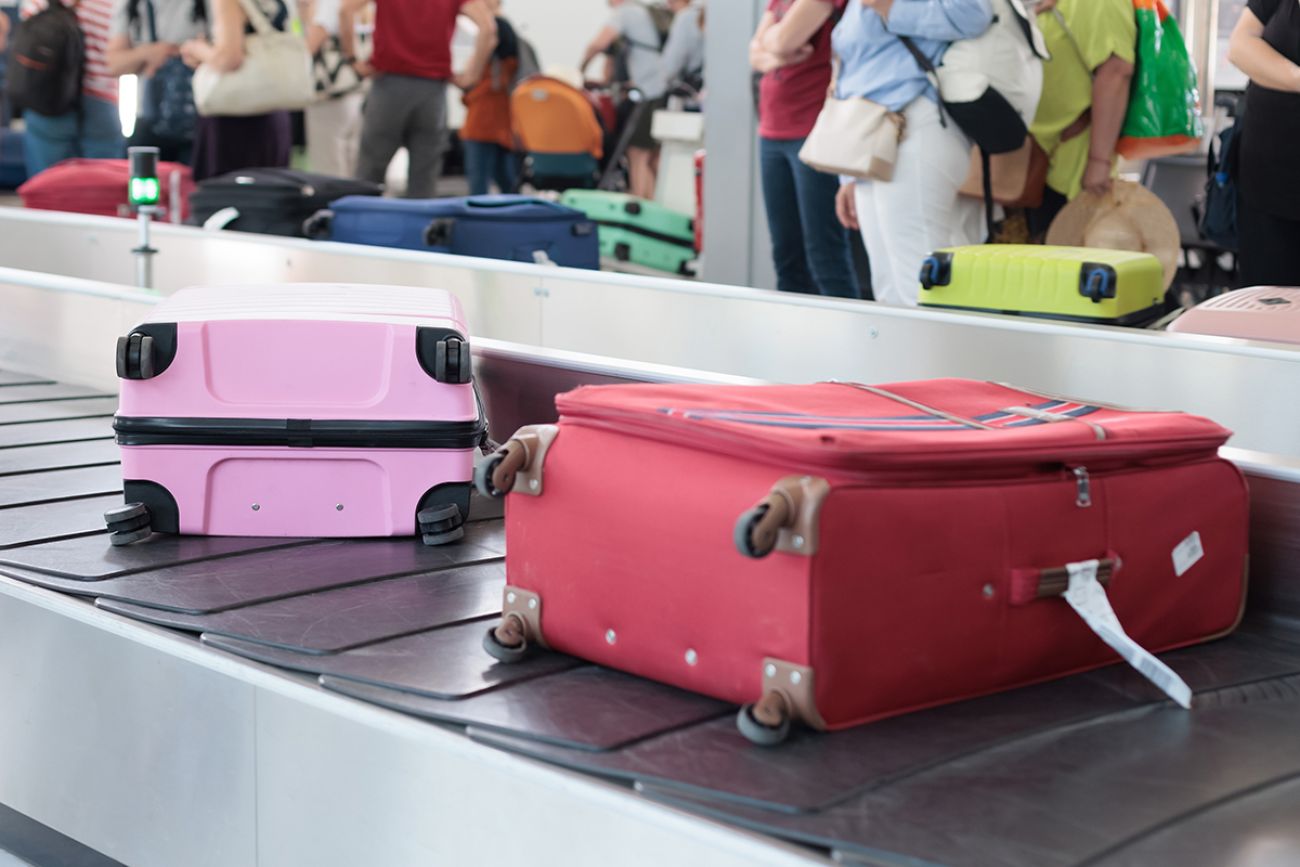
pixel 649 432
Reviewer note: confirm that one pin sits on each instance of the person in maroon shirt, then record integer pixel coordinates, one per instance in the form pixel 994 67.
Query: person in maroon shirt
pixel 792 48
pixel 411 65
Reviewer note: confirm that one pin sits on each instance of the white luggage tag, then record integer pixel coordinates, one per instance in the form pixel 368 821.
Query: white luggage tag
pixel 1088 599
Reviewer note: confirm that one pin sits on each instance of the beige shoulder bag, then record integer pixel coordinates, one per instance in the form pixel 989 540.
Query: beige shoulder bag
pixel 853 136
pixel 276 74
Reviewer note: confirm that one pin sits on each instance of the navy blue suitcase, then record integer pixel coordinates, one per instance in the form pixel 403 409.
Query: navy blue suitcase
pixel 513 227
pixel 13 160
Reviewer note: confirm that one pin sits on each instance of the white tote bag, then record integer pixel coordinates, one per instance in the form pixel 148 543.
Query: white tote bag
pixel 276 74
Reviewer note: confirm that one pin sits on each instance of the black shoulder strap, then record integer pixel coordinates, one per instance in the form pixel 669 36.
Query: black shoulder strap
pixel 921 59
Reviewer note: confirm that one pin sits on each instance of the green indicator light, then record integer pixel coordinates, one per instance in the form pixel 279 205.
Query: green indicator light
pixel 144 191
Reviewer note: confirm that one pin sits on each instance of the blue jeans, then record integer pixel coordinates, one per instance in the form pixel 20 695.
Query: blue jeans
pixel 810 248
pixel 486 162
pixel 98 135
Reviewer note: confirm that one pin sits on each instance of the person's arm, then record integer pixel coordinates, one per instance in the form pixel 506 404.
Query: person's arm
pixel 1263 63
pixel 348 11
pixel 226 51
pixel 123 58
pixel 4 31
pixel 762 60
pixel 944 20
pixel 799 24
pixel 598 45
pixel 484 44
pixel 1110 97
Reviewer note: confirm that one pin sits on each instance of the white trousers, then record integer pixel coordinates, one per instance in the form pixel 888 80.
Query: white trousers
pixel 906 219
pixel 334 135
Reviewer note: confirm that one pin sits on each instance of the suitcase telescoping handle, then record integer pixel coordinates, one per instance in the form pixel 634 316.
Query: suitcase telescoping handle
pixel 785 520
pixel 517 465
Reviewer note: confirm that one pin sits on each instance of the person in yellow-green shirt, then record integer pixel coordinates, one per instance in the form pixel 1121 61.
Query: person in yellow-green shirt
pixel 1093 45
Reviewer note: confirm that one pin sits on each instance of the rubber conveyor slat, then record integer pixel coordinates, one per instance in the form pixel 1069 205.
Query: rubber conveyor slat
pixel 1091 769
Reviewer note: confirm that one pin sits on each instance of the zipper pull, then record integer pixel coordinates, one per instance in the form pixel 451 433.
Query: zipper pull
pixel 1083 488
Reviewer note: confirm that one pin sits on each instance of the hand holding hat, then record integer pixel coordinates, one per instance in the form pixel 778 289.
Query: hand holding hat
pixel 1128 217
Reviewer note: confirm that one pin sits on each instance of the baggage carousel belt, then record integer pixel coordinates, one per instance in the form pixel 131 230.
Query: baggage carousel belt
pixel 1092 769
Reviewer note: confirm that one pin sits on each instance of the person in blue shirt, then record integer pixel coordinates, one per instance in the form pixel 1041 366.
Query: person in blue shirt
pixel 905 219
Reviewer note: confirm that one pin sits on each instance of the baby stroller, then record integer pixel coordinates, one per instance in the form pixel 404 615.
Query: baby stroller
pixel 558 132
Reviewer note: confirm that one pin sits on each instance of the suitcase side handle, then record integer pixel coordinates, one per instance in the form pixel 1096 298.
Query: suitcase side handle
pixel 317 227
pixel 786 520
pixel 517 465
pixel 1029 585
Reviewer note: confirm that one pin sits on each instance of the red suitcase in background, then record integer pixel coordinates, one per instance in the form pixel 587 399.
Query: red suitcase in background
pixel 99 187
pixel 922 533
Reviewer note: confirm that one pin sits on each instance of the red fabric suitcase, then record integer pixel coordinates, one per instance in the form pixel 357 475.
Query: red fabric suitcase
pixel 924 535
pixel 99 187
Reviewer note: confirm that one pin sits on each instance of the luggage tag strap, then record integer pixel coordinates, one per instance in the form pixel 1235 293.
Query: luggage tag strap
pixel 908 402
pixel 1043 415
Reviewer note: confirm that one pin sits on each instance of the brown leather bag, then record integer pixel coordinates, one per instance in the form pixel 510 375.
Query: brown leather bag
pixel 1019 177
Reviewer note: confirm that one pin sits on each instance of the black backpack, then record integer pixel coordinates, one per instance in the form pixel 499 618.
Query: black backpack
pixel 45 69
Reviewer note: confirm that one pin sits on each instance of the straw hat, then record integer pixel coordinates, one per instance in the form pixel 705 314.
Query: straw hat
pixel 1129 217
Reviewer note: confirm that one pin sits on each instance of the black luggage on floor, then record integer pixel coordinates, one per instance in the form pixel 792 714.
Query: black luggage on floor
pixel 271 201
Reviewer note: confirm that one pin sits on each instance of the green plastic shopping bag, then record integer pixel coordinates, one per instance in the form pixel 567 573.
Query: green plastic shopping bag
pixel 1164 109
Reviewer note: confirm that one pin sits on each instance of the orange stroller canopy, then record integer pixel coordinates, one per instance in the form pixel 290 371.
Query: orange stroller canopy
pixel 551 117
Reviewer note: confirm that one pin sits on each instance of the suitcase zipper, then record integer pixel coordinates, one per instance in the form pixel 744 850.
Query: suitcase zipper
pixel 299 433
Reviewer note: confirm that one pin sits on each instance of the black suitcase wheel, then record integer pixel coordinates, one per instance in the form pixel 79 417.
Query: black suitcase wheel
pixel 439 519
pixel 128 524
pixel 433 540
pixel 759 733
pixel 441 525
pixel 317 227
pixel 743 535
pixel 507 654
pixel 485 474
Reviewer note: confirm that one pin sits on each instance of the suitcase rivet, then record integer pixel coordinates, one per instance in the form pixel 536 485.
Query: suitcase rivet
pixel 338 507
pixel 873 333
pixel 610 636
pixel 510 597
pixel 256 507
pixel 532 603
pixel 769 670
pixel 988 591
pixel 795 677
pixel 797 541
pixel 534 484
pixel 692 657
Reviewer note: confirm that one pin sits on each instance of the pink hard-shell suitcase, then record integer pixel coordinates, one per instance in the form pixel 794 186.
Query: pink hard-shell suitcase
pixel 298 410
pixel 1263 313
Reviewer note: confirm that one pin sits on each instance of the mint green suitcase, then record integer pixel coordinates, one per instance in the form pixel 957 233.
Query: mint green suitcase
pixel 1081 284
pixel 636 230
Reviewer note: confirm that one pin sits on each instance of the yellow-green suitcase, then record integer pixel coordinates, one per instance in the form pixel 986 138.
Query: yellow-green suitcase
pixel 1110 287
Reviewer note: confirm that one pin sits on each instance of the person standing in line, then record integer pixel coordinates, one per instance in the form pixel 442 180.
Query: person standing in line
pixel 93 130
pixel 487 134
pixel 632 24
pixel 227 144
pixel 1093 46
pixel 145 40
pixel 1266 46
pixel 920 210
pixel 333 123
pixel 792 49
pixel 682 60
pixel 411 65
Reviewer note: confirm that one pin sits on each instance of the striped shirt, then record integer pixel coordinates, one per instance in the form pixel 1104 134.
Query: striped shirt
pixel 95 17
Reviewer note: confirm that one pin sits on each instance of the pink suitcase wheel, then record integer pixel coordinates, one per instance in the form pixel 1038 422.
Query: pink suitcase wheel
pixel 441 525
pixel 766 723
pixel 127 524
pixel 508 643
